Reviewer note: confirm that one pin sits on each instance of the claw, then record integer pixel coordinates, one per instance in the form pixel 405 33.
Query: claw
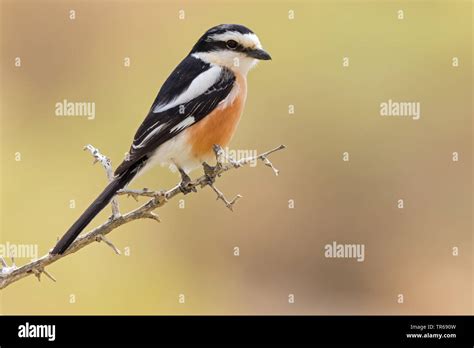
pixel 209 171
pixel 186 185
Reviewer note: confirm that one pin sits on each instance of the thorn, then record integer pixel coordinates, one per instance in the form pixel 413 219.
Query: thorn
pixel 133 195
pixel 4 263
pixel 153 216
pixel 101 238
pixel 37 274
pixel 49 275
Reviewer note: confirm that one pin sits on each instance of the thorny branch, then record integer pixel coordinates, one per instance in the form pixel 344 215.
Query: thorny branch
pixel 11 274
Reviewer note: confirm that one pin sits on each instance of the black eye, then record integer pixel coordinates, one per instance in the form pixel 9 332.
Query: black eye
pixel 232 44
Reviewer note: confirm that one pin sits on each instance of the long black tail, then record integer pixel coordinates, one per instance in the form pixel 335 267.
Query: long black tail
pixel 95 208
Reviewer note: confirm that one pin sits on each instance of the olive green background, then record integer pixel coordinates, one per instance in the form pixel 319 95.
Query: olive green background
pixel 407 251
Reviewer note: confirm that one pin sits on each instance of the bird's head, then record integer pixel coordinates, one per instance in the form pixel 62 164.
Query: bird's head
pixel 231 45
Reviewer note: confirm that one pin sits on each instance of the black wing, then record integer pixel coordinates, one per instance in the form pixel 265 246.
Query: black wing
pixel 180 79
pixel 158 127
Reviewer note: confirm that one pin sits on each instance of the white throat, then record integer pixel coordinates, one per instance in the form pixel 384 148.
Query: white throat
pixel 235 61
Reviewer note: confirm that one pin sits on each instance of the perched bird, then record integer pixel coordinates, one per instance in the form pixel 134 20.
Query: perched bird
pixel 199 105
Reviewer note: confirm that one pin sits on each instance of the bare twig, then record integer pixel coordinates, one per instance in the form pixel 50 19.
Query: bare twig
pixel 101 238
pixel 9 275
pixel 220 195
pixel 107 164
pixel 137 193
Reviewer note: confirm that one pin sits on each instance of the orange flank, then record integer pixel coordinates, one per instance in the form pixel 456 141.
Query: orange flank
pixel 219 126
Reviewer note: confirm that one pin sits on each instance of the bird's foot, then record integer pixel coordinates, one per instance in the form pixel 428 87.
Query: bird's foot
pixel 210 172
pixel 186 186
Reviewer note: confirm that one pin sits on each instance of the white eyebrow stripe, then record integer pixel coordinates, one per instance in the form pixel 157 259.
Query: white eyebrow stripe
pixel 198 86
pixel 183 124
pixel 247 40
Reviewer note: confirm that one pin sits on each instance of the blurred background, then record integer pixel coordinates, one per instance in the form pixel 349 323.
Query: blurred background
pixel 336 109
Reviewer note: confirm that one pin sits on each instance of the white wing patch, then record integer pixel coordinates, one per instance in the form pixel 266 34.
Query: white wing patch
pixel 183 124
pixel 152 133
pixel 199 85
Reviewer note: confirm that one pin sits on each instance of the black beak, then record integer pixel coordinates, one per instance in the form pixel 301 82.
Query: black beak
pixel 259 54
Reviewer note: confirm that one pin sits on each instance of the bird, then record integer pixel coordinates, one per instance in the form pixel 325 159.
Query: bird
pixel 198 106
